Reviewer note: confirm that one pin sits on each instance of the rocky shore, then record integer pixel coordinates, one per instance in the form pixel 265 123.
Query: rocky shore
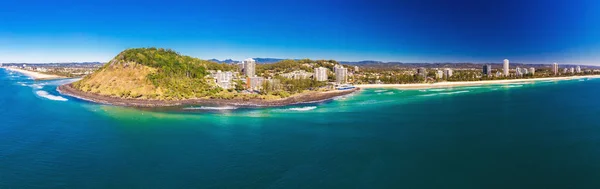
pixel 67 89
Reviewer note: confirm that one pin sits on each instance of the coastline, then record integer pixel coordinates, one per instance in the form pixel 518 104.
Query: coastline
pixel 466 83
pixel 310 97
pixel 35 75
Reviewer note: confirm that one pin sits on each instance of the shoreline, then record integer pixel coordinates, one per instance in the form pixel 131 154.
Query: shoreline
pixel 310 97
pixel 35 75
pixel 466 83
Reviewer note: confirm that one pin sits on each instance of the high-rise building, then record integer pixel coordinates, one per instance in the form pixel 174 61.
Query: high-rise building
pixel 532 71
pixel 572 70
pixel 321 74
pixel 249 67
pixel 439 74
pixel 555 68
pixel 578 69
pixel 565 70
pixel 505 67
pixel 356 69
pixel 447 73
pixel 518 72
pixel 487 70
pixel 422 72
pixel 341 74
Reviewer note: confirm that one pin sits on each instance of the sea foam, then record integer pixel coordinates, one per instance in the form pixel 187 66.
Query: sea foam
pixel 306 108
pixel 49 96
pixel 211 108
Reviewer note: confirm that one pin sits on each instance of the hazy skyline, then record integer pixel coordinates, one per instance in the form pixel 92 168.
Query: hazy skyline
pixel 534 31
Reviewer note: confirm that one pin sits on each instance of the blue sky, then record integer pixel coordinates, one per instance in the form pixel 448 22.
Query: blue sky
pixel 534 31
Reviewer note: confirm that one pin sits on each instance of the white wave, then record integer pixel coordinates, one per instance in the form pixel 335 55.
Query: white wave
pixel 378 91
pixel 211 108
pixel 307 108
pixel 389 93
pixel 512 86
pixel 37 86
pixel 437 90
pixel 494 89
pixel 446 93
pixel 49 96
pixel 454 92
pixel 423 90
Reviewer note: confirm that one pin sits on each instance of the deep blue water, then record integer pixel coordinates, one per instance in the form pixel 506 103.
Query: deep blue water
pixel 523 135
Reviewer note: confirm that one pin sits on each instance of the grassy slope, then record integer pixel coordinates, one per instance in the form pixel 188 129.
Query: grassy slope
pixel 150 73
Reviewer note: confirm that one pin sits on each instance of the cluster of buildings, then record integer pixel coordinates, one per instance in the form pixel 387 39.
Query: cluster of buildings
pixel 572 70
pixel 226 79
pixel 440 73
pixel 519 72
pixel 65 69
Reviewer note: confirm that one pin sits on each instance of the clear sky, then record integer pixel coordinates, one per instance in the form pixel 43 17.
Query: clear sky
pixel 528 31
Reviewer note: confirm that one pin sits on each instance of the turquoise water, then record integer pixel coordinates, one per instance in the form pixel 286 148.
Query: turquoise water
pixel 524 135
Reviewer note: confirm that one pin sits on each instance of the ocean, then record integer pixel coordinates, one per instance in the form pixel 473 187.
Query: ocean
pixel 523 135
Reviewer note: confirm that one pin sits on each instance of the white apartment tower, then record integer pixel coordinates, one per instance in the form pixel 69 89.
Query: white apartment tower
pixel 506 67
pixel 321 74
pixel 249 67
pixel 341 74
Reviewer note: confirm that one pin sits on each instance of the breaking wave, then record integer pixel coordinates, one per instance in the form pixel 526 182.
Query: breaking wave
pixel 306 108
pixel 437 90
pixel 378 91
pixel 49 96
pixel 211 108
pixel 454 92
pixel 512 86
pixel 446 93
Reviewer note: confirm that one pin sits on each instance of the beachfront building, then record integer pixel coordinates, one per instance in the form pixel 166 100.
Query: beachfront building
pixel 565 70
pixel 341 74
pixel 254 83
pixel 422 72
pixel 356 69
pixel 555 68
pixel 572 70
pixel 320 74
pixel 439 74
pixel 249 67
pixel 532 71
pixel 498 74
pixel 447 73
pixel 298 74
pixel 223 79
pixel 578 69
pixel 487 70
pixel 518 72
pixel 506 67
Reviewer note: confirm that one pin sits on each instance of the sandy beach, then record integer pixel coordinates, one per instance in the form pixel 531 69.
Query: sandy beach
pixel 467 83
pixel 35 75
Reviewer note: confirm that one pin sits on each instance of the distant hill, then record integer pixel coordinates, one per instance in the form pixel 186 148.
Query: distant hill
pixel 151 73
